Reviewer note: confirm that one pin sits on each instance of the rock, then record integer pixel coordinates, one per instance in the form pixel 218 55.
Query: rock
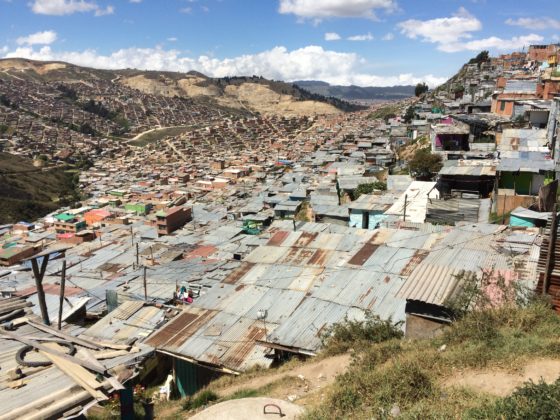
pixel 442 348
pixel 395 411
pixel 321 376
pixel 301 377
pixel 292 398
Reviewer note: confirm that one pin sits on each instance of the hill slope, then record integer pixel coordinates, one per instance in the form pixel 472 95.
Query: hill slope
pixel 26 192
pixel 245 94
pixel 352 93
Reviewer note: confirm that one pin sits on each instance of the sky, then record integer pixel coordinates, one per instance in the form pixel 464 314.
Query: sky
pixel 360 42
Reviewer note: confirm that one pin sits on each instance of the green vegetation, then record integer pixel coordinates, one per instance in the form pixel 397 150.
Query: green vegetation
pixel 368 189
pixel 424 164
pixel 482 57
pixel 201 399
pixel 28 193
pixel 409 374
pixel 420 89
pixel 409 115
pixel 385 113
pixel 529 402
pixel 158 134
pixel 338 338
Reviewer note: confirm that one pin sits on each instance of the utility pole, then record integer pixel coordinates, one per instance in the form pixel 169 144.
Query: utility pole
pixel 137 256
pixel 551 248
pixel 145 286
pixel 39 273
pixel 131 236
pixel 61 301
pixel 404 210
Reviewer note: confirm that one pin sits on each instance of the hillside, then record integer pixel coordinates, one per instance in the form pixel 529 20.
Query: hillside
pixel 27 192
pixel 354 93
pixel 508 368
pixel 231 94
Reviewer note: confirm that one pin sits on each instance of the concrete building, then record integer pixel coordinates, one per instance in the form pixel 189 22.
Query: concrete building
pixel 169 221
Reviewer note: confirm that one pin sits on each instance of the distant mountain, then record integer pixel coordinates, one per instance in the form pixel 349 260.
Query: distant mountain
pixel 357 93
pixel 251 94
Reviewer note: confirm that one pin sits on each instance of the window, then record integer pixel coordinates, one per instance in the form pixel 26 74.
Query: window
pixel 502 105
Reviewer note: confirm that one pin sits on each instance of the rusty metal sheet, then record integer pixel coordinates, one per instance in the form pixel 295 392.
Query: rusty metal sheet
pixel 305 239
pixel 180 329
pixel 319 257
pixel 416 259
pixel 363 254
pixel 239 272
pixel 278 238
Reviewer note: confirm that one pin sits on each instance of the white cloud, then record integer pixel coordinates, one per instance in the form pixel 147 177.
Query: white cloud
pixel 442 30
pixel 453 34
pixel 172 39
pixel 494 43
pixel 109 10
pixel 332 36
pixel 68 7
pixel 185 10
pixel 44 38
pixel 320 9
pixel 135 1
pixel 365 37
pixel 307 63
pixel 535 23
pixel 388 37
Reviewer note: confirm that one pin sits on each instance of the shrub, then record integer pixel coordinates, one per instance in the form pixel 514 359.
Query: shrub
pixel 530 401
pixel 339 337
pixel 425 164
pixel 368 189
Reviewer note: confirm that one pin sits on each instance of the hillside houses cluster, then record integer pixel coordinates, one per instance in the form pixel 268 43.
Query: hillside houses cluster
pixel 240 242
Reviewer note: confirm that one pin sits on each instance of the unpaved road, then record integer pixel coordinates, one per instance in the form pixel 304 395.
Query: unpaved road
pixel 503 383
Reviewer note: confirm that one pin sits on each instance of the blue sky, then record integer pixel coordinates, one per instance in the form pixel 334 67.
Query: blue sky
pixel 363 42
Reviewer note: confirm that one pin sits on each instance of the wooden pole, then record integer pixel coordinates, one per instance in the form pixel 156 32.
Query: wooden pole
pixel 145 286
pixel 61 301
pixel 137 256
pixel 405 203
pixel 39 273
pixel 551 248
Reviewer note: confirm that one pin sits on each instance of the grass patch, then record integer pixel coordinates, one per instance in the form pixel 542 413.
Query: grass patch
pixel 341 337
pixel 245 393
pixel 203 398
pixel 409 374
pixel 531 401
pixel 158 134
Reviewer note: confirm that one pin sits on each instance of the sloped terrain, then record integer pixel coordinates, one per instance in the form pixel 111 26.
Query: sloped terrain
pixel 237 93
pixel 27 192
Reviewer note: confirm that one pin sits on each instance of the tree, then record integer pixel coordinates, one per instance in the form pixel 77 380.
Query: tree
pixel 368 189
pixel 420 89
pixel 482 57
pixel 424 164
pixel 409 115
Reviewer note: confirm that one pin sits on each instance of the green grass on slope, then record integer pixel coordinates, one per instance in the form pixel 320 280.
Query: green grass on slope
pixel 408 374
pixel 27 193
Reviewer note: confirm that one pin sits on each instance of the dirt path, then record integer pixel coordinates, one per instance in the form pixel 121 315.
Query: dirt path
pixel 502 383
pixel 315 374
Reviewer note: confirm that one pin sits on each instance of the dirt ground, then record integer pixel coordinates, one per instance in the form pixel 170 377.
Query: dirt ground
pixel 308 379
pixel 502 383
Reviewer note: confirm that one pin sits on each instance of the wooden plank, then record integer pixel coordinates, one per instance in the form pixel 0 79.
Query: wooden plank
pixel 77 373
pixel 67 337
pixel 85 354
pixel 39 346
